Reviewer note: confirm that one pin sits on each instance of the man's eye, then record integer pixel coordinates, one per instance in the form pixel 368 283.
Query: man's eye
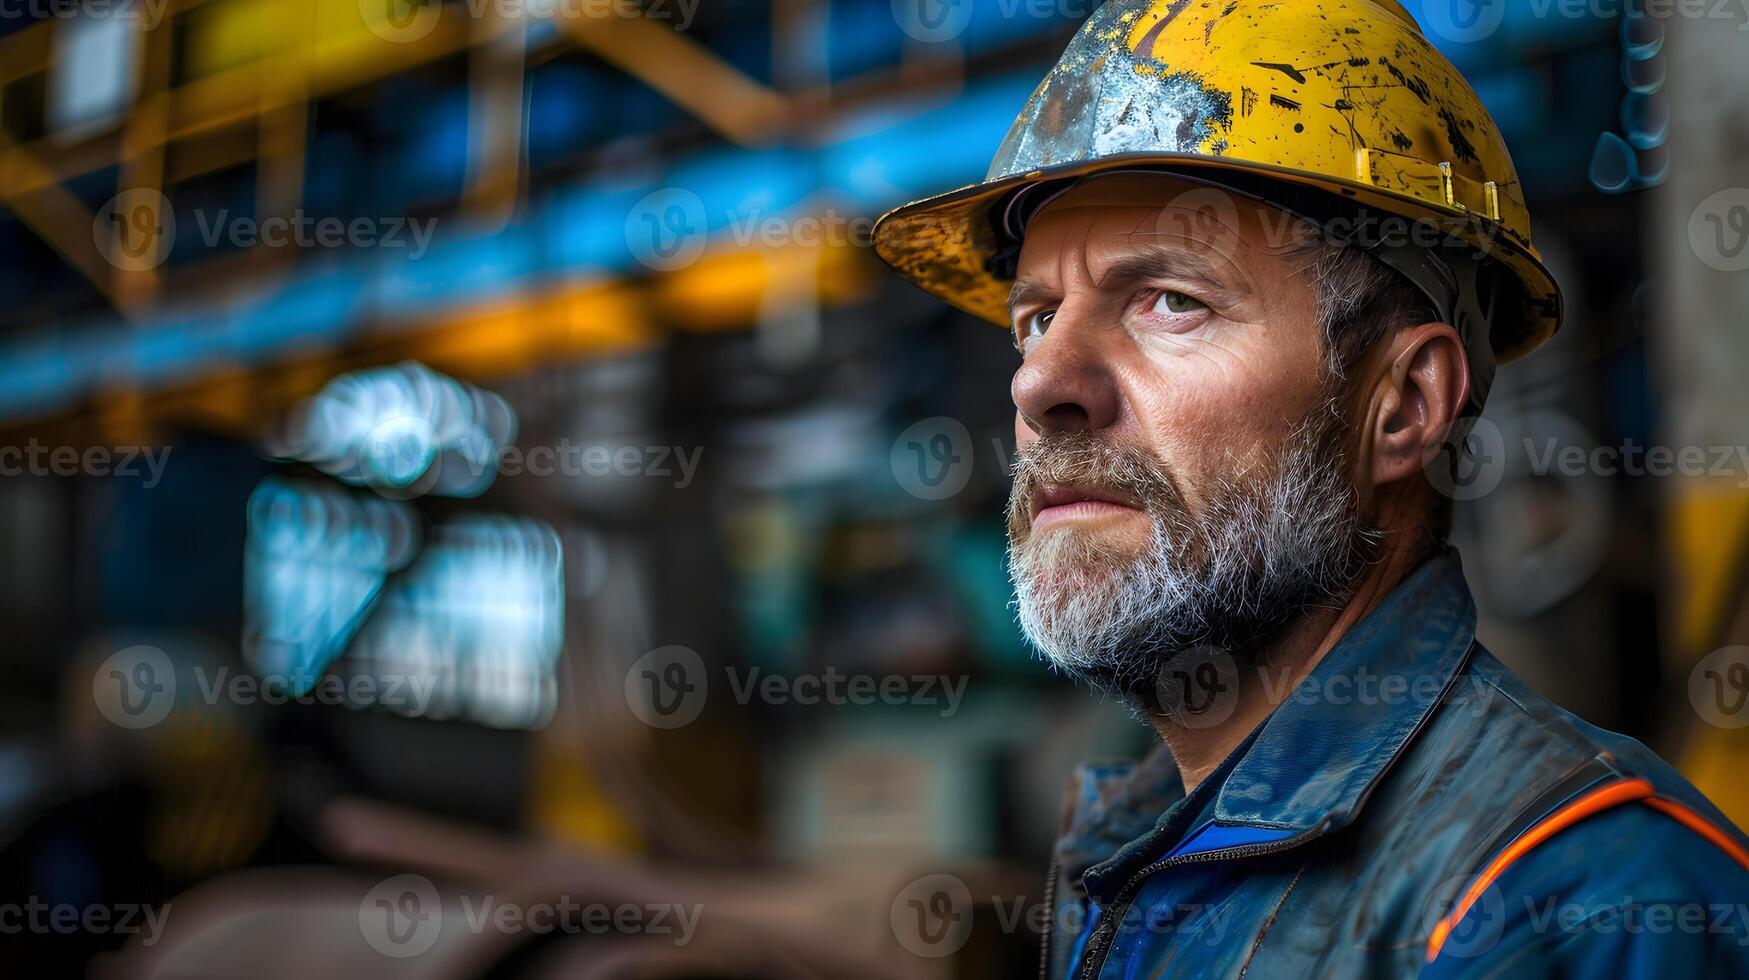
pixel 1175 302
pixel 1031 327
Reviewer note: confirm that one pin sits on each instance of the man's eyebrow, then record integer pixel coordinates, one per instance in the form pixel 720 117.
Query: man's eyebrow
pixel 1150 263
pixel 1154 262
pixel 1025 291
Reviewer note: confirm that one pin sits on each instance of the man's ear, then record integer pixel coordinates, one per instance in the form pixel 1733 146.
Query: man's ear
pixel 1421 385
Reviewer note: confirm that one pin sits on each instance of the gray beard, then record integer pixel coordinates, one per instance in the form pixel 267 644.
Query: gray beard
pixel 1267 549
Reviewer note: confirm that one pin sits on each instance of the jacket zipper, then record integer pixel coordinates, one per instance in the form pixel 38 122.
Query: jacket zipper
pixel 1099 944
pixel 1044 944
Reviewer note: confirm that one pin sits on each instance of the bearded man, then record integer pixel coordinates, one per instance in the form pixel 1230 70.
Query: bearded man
pixel 1260 259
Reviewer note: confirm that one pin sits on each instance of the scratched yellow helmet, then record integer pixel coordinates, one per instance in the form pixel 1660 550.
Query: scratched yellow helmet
pixel 1342 102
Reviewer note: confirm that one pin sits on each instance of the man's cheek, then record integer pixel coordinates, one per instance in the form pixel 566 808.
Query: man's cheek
pixel 1208 439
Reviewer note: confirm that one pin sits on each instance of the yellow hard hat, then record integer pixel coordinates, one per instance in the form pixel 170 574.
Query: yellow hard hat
pixel 1341 100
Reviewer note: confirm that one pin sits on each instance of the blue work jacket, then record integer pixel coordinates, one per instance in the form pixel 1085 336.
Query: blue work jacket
pixel 1412 808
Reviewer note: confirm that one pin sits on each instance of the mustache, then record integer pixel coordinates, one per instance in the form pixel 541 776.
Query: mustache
pixel 1088 461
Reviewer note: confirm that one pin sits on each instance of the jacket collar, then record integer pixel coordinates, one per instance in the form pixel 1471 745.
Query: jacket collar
pixel 1314 761
pixel 1323 749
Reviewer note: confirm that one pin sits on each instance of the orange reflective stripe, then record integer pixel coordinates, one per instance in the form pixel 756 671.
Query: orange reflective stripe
pixel 1597 800
pixel 1700 825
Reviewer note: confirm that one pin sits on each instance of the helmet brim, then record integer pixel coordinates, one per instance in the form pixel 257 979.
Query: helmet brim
pixel 949 245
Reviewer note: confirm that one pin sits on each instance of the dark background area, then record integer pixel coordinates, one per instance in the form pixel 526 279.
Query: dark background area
pixel 844 518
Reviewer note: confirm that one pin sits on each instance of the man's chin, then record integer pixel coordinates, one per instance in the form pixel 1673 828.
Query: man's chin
pixel 1056 585
pixel 1072 547
pixel 1066 606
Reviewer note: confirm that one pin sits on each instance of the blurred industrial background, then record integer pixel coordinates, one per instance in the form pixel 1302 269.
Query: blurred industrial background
pixel 463 470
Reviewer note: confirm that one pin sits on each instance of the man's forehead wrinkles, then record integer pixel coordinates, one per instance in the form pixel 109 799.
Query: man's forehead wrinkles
pixel 1181 218
pixel 1083 254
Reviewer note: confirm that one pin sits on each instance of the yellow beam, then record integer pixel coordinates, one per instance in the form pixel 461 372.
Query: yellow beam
pixel 496 68
pixel 725 290
pixel 56 216
pixel 238 96
pixel 24 52
pixel 1709 525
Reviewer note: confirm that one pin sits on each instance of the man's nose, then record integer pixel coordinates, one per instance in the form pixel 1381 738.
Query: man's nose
pixel 1065 383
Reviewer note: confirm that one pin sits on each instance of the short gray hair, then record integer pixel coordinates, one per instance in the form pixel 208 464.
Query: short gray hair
pixel 1361 301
